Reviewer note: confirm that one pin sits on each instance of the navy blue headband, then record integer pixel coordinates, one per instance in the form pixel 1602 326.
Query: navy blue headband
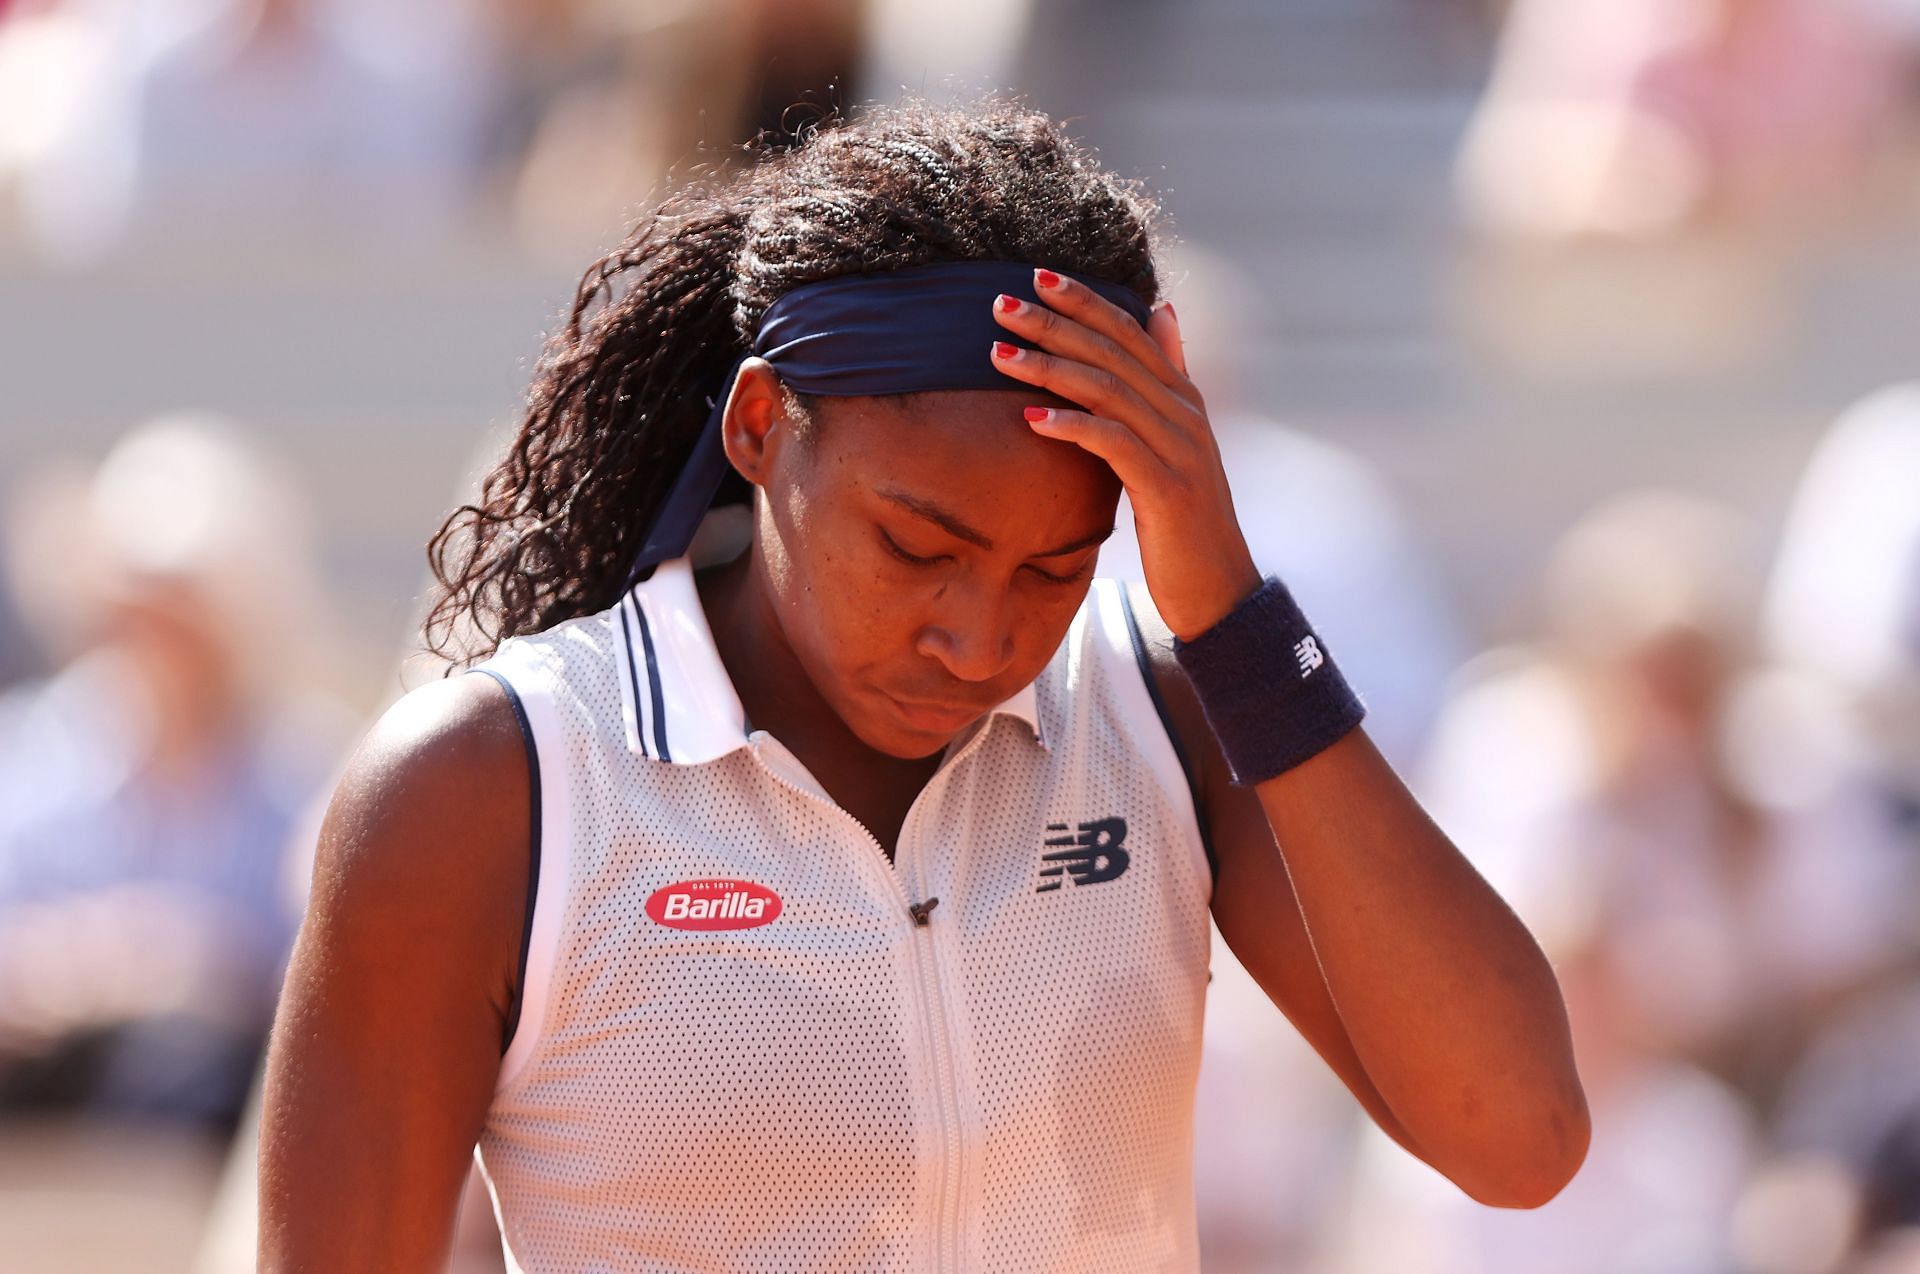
pixel 888 332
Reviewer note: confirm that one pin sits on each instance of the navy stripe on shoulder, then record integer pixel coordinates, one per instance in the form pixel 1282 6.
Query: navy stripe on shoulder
pixel 1166 721
pixel 653 681
pixel 533 853
pixel 633 677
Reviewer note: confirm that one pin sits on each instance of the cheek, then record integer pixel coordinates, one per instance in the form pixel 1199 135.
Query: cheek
pixel 837 608
pixel 1044 621
pixel 856 619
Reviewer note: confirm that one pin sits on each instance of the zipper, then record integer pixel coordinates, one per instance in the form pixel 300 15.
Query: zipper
pixel 938 1042
pixel 947 1180
pixel 947 1232
pixel 948 1237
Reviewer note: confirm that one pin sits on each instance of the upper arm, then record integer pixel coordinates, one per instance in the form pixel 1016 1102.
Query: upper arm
pixel 387 1042
pixel 1253 899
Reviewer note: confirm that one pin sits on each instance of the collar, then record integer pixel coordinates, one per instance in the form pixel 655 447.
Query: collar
pixel 677 701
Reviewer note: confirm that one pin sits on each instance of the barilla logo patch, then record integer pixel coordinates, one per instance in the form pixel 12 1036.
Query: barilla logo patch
pixel 713 904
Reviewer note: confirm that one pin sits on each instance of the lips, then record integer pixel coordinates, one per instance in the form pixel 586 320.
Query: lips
pixel 935 715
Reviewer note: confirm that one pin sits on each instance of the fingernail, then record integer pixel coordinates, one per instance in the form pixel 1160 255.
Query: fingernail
pixel 1046 278
pixel 1005 349
pixel 1039 414
pixel 1171 314
pixel 1007 304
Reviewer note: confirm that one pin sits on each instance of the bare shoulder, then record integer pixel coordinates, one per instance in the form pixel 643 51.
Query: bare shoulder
pixel 428 830
pixel 447 758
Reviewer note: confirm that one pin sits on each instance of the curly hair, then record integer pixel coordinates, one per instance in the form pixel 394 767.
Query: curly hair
pixel 622 389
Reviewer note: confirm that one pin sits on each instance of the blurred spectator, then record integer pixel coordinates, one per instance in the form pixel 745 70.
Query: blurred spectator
pixel 1638 118
pixel 970 45
pixel 1843 606
pixel 149 788
pixel 1843 612
pixel 150 117
pixel 1627 767
pixel 1854 1104
pixel 630 90
pixel 1648 182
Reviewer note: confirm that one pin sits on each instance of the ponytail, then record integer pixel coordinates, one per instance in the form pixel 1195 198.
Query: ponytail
pixel 616 402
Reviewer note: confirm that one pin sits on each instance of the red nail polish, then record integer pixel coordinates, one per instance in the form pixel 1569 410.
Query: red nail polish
pixel 1046 278
pixel 1038 413
pixel 1004 349
pixel 1007 304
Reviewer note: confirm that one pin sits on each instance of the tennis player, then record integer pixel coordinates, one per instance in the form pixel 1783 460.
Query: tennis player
pixel 814 873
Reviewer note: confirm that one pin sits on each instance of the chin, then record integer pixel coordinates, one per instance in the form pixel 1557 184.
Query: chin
pixel 918 752
pixel 903 744
pixel 906 732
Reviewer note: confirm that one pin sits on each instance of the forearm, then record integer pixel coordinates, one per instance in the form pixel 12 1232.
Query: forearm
pixel 1450 1004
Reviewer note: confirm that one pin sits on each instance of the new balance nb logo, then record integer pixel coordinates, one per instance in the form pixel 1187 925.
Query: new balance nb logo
pixel 1095 854
pixel 1308 652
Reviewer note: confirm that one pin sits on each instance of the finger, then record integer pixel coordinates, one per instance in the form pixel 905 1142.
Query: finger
pixel 1069 337
pixel 1099 389
pixel 1077 300
pixel 1164 327
pixel 1131 460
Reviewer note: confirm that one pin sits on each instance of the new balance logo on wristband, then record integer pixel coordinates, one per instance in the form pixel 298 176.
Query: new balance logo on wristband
pixel 1308 652
pixel 1095 855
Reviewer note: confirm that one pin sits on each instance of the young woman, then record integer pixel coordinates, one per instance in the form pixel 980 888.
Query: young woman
pixel 823 883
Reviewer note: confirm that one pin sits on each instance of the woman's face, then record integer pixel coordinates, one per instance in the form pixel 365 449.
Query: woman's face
pixel 925 554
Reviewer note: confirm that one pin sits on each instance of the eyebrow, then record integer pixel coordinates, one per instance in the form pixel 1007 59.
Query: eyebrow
pixel 953 526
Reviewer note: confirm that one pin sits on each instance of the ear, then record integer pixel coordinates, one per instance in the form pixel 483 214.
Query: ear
pixel 755 425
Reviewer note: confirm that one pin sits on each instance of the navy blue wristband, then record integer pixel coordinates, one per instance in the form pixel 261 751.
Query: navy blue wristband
pixel 1270 690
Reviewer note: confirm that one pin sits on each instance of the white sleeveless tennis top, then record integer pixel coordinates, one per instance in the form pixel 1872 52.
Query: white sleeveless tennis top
pixel 747 1042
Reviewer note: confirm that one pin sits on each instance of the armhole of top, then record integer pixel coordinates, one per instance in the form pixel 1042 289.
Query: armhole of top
pixel 1144 665
pixel 533 856
pixel 548 867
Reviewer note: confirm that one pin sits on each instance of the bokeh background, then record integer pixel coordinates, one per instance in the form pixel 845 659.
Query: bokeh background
pixel 1566 355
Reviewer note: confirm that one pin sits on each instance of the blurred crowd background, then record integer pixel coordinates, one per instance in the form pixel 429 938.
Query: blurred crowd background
pixel 1565 353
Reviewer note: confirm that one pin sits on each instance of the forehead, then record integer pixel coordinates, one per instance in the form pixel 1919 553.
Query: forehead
pixel 971 446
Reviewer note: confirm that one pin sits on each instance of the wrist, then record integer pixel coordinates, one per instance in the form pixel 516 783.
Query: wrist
pixel 1268 685
pixel 1235 586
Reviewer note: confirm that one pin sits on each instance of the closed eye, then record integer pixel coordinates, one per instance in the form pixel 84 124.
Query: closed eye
pixel 905 556
pixel 1073 578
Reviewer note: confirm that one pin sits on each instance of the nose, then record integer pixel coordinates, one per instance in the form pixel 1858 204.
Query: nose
pixel 969 636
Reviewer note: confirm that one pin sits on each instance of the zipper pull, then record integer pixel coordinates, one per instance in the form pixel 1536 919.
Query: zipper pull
pixel 920 910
